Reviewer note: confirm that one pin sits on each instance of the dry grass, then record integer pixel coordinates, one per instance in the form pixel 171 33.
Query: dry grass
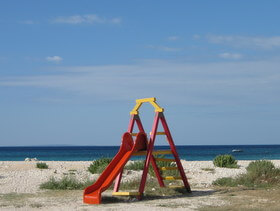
pixel 246 199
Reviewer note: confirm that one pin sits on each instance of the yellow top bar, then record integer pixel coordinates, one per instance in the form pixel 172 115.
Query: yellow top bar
pixel 151 100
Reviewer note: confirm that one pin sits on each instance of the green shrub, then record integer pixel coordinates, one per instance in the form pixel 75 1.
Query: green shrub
pixel 225 181
pixel 226 161
pixel 42 166
pixel 99 165
pixel 260 174
pixel 261 168
pixel 65 183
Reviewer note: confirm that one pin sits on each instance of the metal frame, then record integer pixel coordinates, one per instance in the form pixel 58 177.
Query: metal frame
pixel 159 117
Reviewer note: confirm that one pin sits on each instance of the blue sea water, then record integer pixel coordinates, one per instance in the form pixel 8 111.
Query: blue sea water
pixel 88 153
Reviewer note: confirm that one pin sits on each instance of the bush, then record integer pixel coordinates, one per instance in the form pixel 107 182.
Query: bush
pixel 99 165
pixel 261 174
pixel 225 181
pixel 66 183
pixel 261 168
pixel 226 161
pixel 42 166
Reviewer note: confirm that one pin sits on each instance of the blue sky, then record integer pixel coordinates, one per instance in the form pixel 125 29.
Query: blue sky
pixel 70 71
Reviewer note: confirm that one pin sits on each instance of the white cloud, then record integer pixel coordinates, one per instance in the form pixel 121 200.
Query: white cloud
pixel 173 38
pixel 246 41
pixel 224 83
pixel 230 55
pixel 55 59
pixel 89 19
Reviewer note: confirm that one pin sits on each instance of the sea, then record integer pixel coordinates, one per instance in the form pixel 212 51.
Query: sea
pixel 89 153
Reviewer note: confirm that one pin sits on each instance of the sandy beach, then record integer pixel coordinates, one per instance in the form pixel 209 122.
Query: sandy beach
pixel 22 179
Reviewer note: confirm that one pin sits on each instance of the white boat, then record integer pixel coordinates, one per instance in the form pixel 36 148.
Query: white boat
pixel 237 150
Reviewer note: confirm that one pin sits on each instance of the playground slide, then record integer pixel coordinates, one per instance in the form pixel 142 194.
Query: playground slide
pixel 92 194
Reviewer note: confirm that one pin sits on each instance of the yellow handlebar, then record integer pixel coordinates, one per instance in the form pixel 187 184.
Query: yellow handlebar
pixel 151 100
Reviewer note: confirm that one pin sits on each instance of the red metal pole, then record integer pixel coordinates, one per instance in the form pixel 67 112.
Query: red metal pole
pixel 130 129
pixel 174 151
pixel 153 161
pixel 157 172
pixel 149 155
pixel 131 123
pixel 139 124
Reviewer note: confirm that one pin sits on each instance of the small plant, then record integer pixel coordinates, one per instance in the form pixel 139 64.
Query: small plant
pixel 99 165
pixel 225 161
pixel 65 183
pixel 42 166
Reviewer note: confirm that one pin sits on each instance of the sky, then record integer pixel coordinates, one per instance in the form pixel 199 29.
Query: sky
pixel 70 71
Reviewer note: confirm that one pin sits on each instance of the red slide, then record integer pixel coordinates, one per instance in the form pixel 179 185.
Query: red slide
pixel 92 194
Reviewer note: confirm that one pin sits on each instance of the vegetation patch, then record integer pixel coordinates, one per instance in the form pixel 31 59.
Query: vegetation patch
pixel 65 183
pixel 42 165
pixel 99 165
pixel 152 188
pixel 208 169
pixel 139 165
pixel 260 174
pixel 225 161
pixel 36 205
pixel 135 165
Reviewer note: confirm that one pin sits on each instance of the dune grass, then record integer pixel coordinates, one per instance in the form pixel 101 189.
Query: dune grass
pixel 65 183
pixel 260 174
pixel 99 165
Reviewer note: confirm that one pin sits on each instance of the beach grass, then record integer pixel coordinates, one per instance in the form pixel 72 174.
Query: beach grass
pixel 65 183
pixel 260 174
pixel 98 166
pixel 139 166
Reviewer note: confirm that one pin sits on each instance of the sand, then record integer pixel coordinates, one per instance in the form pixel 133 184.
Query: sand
pixel 22 177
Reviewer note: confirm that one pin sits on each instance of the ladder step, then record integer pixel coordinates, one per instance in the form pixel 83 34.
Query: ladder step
pixel 159 152
pixel 159 133
pixel 171 178
pixel 165 159
pixel 168 168
pixel 133 134
pixel 126 193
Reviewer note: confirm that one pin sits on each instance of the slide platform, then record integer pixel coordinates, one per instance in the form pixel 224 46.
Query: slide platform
pixel 92 194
